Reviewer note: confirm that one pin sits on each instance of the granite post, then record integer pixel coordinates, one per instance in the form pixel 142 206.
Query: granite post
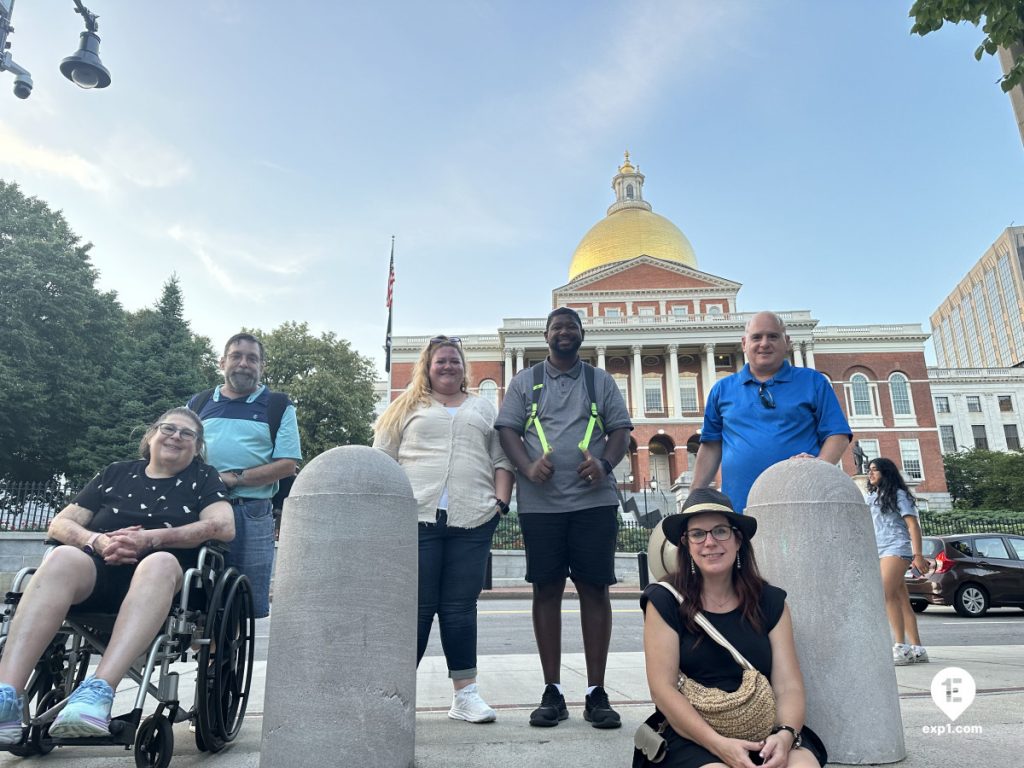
pixel 815 540
pixel 341 666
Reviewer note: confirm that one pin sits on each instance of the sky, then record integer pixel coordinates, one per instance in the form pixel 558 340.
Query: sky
pixel 265 153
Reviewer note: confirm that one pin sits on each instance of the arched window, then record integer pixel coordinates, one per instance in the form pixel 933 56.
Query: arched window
pixel 899 391
pixel 862 405
pixel 489 391
pixel 629 191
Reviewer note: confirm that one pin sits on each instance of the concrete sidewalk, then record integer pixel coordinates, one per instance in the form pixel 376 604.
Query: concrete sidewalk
pixel 511 684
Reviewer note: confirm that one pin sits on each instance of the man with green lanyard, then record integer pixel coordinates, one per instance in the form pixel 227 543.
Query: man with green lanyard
pixel 565 425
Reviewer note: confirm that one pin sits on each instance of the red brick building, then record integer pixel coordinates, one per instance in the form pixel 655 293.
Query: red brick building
pixel 666 331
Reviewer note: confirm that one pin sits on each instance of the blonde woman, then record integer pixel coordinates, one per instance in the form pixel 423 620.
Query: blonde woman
pixel 445 440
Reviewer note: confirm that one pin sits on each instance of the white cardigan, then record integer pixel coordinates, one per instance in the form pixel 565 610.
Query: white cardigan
pixel 462 451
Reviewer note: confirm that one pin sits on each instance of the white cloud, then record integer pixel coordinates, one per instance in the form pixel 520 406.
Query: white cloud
pixel 145 162
pixel 31 157
pixel 242 268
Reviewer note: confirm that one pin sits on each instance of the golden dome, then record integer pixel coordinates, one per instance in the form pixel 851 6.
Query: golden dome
pixel 626 234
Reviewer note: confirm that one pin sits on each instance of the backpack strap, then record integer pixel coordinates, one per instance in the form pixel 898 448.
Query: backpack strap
pixel 532 420
pixel 595 417
pixel 277 404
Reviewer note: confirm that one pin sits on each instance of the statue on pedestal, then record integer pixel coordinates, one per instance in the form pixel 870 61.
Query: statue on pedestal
pixel 859 457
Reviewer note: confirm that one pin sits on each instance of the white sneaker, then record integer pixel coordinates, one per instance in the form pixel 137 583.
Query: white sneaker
pixel 902 655
pixel 920 654
pixel 467 705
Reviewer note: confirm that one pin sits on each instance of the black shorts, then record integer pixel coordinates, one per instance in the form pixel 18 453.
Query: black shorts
pixel 113 581
pixel 578 544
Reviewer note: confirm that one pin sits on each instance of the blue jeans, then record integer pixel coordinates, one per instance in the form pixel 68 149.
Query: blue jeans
pixel 453 562
pixel 252 550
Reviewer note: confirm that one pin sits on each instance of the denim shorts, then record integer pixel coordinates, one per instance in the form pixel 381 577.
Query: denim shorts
pixel 252 550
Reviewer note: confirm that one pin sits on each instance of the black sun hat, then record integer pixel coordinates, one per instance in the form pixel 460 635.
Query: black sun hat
pixel 699 502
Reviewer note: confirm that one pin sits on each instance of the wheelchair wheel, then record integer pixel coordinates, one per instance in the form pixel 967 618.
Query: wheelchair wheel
pixel 225 664
pixel 154 743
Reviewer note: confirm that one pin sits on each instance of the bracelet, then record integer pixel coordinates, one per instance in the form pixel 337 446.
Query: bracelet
pixel 502 506
pixel 797 741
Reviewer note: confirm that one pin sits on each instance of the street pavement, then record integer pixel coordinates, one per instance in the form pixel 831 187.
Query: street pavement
pixel 512 684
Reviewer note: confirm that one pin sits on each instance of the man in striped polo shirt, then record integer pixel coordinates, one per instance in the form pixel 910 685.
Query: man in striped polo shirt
pixel 252 438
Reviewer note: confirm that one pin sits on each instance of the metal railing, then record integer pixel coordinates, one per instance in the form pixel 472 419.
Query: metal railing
pixel 31 506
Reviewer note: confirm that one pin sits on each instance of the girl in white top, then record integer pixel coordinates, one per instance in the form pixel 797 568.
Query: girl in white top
pixel 898 535
pixel 445 440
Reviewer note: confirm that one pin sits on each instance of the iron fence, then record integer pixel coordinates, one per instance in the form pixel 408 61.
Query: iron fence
pixel 953 526
pixel 31 506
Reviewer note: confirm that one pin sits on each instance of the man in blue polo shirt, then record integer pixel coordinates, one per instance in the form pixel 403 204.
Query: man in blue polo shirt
pixel 239 420
pixel 766 413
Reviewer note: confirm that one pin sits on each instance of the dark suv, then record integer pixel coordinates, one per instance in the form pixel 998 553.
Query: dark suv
pixel 972 572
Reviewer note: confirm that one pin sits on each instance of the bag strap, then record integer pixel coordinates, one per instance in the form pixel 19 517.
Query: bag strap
pixel 710 629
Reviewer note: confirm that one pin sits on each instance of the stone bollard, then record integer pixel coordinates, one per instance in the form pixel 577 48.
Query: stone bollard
pixel 341 668
pixel 815 540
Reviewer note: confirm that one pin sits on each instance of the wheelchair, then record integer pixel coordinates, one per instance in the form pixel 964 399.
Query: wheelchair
pixel 211 621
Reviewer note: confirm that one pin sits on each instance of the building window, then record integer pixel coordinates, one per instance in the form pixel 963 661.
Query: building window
pixel 980 438
pixel 910 455
pixel 1012 437
pixel 646 314
pixel 688 396
pixel 489 391
pixel 612 312
pixel 680 311
pixel 623 384
pixel 629 191
pixel 870 448
pixel 974 403
pixel 942 404
pixel 715 311
pixel 1005 403
pixel 581 311
pixel 862 405
pixel 948 436
pixel 899 391
pixel 652 396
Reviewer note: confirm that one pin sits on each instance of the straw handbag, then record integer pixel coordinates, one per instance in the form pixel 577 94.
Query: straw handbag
pixel 746 713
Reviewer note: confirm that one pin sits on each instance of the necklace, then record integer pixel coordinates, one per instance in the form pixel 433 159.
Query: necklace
pixel 719 604
pixel 450 401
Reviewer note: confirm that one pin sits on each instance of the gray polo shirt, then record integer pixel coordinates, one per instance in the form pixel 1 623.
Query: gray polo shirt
pixel 564 411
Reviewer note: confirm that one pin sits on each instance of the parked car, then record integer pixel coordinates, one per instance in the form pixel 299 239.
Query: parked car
pixel 971 571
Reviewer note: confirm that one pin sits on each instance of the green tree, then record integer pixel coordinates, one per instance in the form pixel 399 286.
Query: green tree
pixel 330 383
pixel 56 329
pixel 163 363
pixel 981 479
pixel 1003 27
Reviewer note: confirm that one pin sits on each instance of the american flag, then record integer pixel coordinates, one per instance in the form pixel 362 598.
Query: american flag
pixel 391 295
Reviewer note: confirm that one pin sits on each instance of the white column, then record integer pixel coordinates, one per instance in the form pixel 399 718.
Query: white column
pixel 638 383
pixel 809 349
pixel 520 353
pixel 672 382
pixel 709 370
pixel 508 367
pixel 600 358
pixel 798 358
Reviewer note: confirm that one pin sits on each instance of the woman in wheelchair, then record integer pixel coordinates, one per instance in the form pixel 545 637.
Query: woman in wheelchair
pixel 125 540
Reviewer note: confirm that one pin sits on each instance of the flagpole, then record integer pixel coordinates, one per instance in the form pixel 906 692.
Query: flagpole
pixel 390 306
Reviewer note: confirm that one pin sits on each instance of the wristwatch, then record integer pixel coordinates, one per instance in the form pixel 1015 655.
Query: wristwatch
pixel 88 547
pixel 797 741
pixel 502 506
pixel 608 468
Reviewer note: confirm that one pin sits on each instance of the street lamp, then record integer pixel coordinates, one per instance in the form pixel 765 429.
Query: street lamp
pixel 83 67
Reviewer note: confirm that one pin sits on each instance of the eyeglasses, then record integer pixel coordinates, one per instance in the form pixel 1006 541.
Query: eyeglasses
pixel 445 340
pixel 718 533
pixel 166 428
pixel 766 395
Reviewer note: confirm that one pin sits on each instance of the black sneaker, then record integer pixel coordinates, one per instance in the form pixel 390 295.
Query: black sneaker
pixel 598 712
pixel 552 709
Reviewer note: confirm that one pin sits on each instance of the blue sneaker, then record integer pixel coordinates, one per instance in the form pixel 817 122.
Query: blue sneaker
pixel 87 712
pixel 11 708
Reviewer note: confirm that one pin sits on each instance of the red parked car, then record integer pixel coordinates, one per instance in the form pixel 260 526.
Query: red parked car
pixel 972 572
